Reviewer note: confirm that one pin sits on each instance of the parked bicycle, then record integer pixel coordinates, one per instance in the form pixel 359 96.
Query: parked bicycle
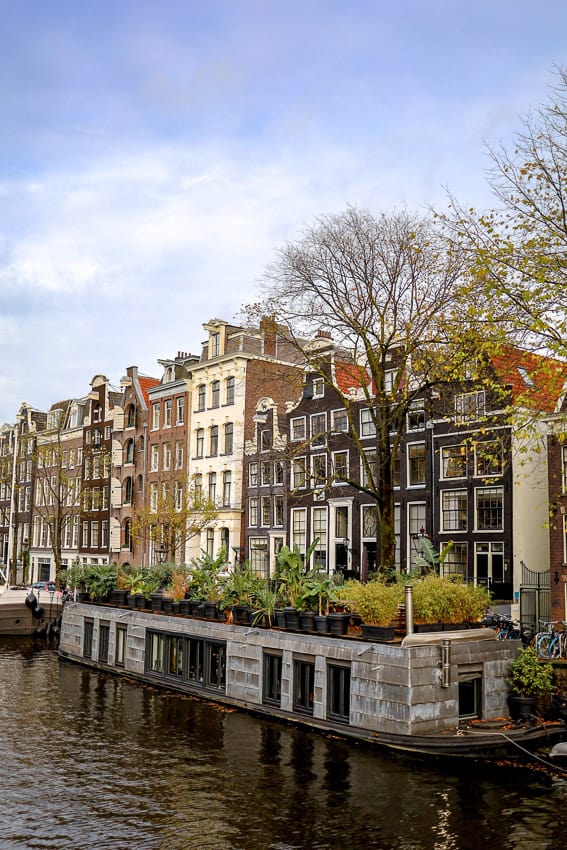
pixel 551 640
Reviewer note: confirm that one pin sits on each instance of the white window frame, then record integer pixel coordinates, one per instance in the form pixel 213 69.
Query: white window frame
pixel 301 463
pixel 318 387
pixel 408 465
pixel 367 426
pixel 471 406
pixel 460 447
pixel 318 434
pixel 478 450
pixel 445 495
pixel 492 529
pixel 296 424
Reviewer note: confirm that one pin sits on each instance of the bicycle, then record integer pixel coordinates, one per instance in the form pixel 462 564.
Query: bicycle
pixel 507 629
pixel 552 643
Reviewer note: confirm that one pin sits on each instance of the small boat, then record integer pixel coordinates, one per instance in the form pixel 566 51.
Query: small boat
pixel 24 611
pixel 504 740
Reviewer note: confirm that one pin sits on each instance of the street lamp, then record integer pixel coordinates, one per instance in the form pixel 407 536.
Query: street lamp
pixel 161 552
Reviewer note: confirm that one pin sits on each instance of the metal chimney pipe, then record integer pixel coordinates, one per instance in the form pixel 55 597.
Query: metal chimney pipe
pixel 409 609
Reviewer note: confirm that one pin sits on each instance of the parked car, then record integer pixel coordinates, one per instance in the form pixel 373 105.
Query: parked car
pixel 44 585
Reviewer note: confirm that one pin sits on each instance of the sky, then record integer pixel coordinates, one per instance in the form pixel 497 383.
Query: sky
pixel 154 156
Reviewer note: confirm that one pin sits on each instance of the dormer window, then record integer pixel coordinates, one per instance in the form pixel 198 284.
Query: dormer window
pixel 526 377
pixel 318 387
pixel 215 344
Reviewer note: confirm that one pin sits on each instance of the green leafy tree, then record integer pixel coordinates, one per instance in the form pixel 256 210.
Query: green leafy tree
pixel 518 249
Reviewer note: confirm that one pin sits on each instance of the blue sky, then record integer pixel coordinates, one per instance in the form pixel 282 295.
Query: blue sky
pixel 154 156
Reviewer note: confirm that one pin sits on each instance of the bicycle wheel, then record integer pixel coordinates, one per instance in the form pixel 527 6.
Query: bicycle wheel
pixel 547 646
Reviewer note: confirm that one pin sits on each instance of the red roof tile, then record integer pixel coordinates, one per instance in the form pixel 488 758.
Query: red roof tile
pixel 536 381
pixel 349 375
pixel 147 384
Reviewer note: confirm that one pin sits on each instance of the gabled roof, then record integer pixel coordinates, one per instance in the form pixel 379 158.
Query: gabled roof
pixel 349 375
pixel 147 384
pixel 535 381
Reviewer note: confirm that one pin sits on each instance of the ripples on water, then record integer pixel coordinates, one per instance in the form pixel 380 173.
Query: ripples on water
pixel 93 761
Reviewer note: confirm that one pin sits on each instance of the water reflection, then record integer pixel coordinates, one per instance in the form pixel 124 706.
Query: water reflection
pixel 94 761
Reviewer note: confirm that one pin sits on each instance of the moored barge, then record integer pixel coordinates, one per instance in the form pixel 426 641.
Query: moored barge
pixel 436 694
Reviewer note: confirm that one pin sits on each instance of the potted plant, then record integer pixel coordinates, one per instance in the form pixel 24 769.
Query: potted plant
pixel 528 679
pixel 376 603
pixel 266 600
pixel 291 577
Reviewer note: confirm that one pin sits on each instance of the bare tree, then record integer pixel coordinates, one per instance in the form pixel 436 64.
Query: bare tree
pixel 58 483
pixel 388 292
pixel 173 515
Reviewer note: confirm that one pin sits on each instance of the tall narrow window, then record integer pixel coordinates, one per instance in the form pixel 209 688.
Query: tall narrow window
pixel 303 686
pixel 215 394
pixel 228 438
pixel 226 485
pixel 229 390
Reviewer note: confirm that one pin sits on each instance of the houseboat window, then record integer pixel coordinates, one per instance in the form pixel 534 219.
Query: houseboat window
pixel 103 641
pixel 338 693
pixel 303 686
pixel 156 645
pixel 88 639
pixel 272 692
pixel 175 654
pixel 120 646
pixel 216 665
pixel 195 661
pixel 470 695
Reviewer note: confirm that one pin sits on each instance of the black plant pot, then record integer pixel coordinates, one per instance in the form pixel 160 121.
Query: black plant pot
pixel 131 600
pixel 521 708
pixel 211 610
pixel 175 607
pixel 241 615
pixel 338 623
pixel 184 606
pixel 166 604
pixel 307 620
pixel 280 618
pixel 379 633
pixel 321 624
pixel 118 597
pixel 157 601
pixel 427 627
pixel 292 621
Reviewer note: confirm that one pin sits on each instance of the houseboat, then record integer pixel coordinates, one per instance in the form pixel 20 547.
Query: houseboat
pixel 27 611
pixel 442 693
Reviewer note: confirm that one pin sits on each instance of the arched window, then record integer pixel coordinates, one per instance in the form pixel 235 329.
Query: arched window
pixel 128 491
pixel 224 541
pixel 131 416
pixel 140 483
pixel 129 451
pixel 127 529
pixel 141 443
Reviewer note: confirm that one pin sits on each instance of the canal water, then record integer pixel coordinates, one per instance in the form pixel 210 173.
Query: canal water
pixel 89 760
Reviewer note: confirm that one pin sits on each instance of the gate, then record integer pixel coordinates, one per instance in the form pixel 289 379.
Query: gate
pixel 535 597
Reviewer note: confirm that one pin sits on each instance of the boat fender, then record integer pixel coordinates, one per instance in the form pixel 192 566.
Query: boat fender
pixel 38 612
pixel 31 600
pixel 559 750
